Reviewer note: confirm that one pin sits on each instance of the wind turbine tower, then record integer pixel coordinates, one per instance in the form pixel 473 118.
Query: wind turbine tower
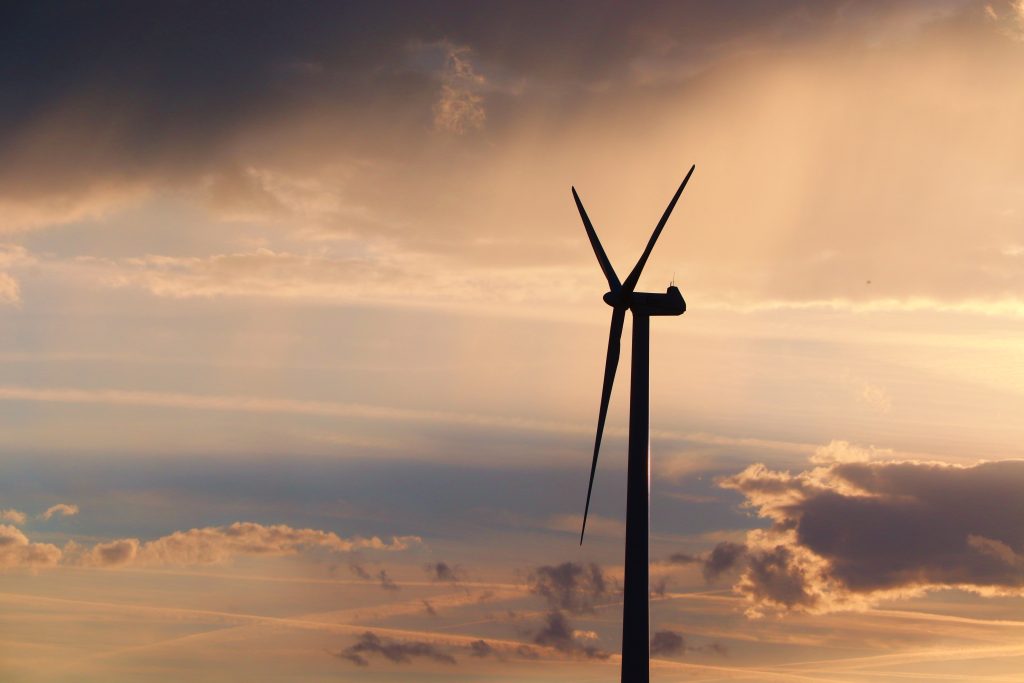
pixel 622 297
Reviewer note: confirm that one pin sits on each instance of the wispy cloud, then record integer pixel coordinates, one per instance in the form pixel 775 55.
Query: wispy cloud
pixel 10 291
pixel 211 545
pixel 668 643
pixel 459 107
pixel 62 509
pixel 13 516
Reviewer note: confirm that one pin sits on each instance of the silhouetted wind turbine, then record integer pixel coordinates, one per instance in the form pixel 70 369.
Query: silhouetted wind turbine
pixel 621 297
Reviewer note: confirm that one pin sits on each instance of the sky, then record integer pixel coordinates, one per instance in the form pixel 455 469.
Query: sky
pixel 301 339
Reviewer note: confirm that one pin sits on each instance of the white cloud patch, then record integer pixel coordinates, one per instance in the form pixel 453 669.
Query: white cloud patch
pixel 837 451
pixel 16 551
pixel 217 545
pixel 62 509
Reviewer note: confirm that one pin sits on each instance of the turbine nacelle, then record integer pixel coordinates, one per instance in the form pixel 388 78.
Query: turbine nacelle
pixel 649 303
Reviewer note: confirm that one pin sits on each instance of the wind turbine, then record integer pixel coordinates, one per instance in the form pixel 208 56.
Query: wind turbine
pixel 621 297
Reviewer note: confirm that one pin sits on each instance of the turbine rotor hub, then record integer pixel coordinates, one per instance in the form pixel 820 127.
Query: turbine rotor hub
pixel 615 299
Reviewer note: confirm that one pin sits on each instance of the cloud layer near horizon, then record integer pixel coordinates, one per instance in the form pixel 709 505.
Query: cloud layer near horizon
pixel 845 535
pixel 207 545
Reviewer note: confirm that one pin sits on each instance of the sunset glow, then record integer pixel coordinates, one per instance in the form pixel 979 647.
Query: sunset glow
pixel 302 339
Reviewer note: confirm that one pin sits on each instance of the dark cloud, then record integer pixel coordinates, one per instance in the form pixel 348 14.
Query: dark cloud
pixel 115 553
pixel 667 643
pixel 773 577
pixel 722 558
pixel 322 118
pixel 527 652
pixel 217 61
pixel 480 648
pixel 385 581
pixel 854 532
pixel 659 587
pixel 558 633
pixel 394 651
pixel 683 558
pixel 359 571
pixel 715 648
pixel 429 608
pixel 443 572
pixel 177 86
pixel 570 586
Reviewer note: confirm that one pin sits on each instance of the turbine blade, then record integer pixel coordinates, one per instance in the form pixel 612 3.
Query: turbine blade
pixel 634 276
pixel 610 364
pixel 602 258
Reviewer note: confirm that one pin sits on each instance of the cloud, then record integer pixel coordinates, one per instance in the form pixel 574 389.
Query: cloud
pixel 527 652
pixel 843 451
pixel 16 551
pixel 359 571
pixel 1008 16
pixel 722 558
pixel 10 291
pixel 460 105
pixel 429 608
pixel 113 553
pixel 848 534
pixel 667 643
pixel 255 145
pixel 385 581
pixel 480 648
pixel 574 588
pixel 211 545
pixel 379 272
pixel 443 572
pixel 63 509
pixel 570 586
pixel 683 558
pixel 395 651
pixel 558 633
pixel 13 516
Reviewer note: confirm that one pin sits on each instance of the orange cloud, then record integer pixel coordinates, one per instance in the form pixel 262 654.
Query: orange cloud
pixel 214 545
pixel 16 551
